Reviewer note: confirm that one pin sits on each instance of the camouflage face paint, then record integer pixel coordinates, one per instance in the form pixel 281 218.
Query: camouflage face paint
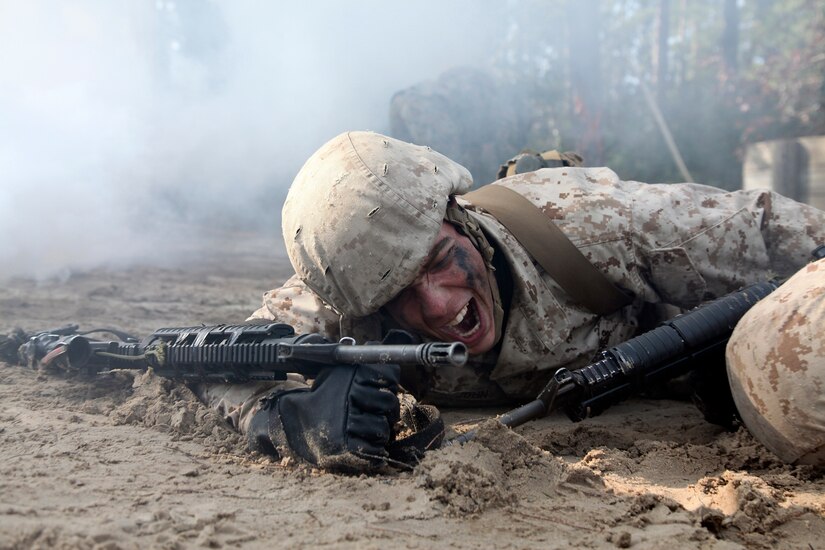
pixel 462 260
pixel 450 300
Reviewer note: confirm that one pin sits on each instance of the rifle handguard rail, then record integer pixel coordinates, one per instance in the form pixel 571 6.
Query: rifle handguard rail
pixel 246 352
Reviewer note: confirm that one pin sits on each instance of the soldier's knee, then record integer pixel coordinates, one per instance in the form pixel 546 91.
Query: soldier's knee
pixel 776 367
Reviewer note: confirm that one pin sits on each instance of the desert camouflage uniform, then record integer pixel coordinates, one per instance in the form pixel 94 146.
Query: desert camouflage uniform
pixel 676 244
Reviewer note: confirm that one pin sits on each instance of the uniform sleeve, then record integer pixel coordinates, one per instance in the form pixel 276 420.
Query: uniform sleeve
pixel 296 305
pixel 293 304
pixel 695 242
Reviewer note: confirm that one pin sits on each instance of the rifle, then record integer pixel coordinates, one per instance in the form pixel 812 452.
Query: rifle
pixel 230 353
pixel 692 340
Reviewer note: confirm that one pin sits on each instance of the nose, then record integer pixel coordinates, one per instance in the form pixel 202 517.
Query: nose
pixel 432 298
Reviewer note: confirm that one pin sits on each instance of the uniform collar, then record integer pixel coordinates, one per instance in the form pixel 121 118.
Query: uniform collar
pixel 536 321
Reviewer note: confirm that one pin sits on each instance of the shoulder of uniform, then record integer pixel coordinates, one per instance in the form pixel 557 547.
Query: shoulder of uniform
pixel 551 184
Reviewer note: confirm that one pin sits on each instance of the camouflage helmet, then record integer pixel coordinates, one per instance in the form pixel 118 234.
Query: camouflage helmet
pixel 776 368
pixel 361 216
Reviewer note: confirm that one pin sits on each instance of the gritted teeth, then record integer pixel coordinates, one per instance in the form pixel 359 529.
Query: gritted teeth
pixel 460 317
pixel 466 323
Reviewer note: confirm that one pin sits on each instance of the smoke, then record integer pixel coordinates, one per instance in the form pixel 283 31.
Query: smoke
pixel 127 128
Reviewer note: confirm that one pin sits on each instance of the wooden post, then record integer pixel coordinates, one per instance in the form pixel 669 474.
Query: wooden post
pixel 792 167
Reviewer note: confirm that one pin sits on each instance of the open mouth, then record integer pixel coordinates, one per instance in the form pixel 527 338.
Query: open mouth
pixel 466 323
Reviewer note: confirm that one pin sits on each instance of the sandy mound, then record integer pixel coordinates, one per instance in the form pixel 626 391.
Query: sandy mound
pixel 492 470
pixel 168 406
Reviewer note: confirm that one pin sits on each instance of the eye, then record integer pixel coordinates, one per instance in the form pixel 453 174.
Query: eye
pixel 443 260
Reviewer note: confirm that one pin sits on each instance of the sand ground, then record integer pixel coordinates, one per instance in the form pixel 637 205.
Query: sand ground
pixel 128 461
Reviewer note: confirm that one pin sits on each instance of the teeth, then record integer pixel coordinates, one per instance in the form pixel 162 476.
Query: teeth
pixel 460 317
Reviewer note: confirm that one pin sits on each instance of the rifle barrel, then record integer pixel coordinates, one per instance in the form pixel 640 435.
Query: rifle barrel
pixel 433 354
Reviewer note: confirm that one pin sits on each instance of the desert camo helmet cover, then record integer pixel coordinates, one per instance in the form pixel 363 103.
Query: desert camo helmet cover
pixel 362 214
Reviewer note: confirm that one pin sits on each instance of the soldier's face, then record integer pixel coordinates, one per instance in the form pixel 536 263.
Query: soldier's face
pixel 450 300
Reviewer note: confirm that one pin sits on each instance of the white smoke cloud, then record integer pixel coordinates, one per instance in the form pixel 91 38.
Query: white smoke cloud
pixel 118 119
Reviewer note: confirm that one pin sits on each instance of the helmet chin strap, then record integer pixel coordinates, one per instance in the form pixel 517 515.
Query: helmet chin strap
pixel 457 216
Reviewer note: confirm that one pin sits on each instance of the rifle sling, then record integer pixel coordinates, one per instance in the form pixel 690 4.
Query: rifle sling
pixel 553 251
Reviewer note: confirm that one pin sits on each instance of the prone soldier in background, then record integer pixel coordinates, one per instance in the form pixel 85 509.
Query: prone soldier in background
pixel 381 236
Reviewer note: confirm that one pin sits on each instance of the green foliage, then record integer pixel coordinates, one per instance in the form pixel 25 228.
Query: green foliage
pixel 757 74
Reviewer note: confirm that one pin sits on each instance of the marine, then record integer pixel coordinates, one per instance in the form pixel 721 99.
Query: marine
pixel 380 237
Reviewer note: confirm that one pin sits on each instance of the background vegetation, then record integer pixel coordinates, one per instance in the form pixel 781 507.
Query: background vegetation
pixel 723 73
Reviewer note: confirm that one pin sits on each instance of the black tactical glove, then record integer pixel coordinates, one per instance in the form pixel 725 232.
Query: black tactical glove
pixel 343 422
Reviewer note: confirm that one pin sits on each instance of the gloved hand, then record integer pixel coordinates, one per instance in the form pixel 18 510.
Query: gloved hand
pixel 343 422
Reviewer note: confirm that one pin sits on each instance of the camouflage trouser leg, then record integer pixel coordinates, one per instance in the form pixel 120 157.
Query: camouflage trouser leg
pixel 776 366
pixel 238 403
